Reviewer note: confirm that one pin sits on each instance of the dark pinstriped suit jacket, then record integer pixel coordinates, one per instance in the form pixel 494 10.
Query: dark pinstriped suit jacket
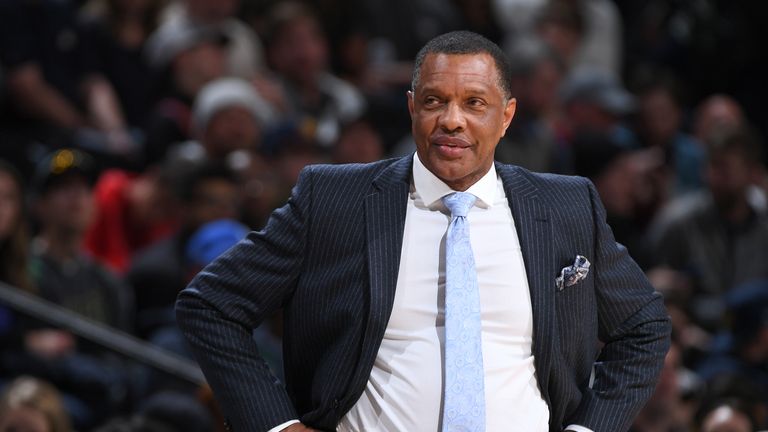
pixel 330 258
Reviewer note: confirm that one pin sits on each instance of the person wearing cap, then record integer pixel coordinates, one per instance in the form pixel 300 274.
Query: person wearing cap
pixel 64 208
pixel 243 53
pixel 63 274
pixel 595 101
pixel 228 116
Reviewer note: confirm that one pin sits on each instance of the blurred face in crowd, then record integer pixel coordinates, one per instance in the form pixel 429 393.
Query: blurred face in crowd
pixel 715 113
pixel 542 87
pixel 660 116
pixel 198 65
pixel 10 205
pixel 229 129
pixel 729 174
pixel 300 51
pixel 359 143
pixel 458 115
pixel 67 206
pixel 214 198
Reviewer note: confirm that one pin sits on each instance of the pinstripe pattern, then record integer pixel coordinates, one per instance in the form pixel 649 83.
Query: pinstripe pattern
pixel 330 257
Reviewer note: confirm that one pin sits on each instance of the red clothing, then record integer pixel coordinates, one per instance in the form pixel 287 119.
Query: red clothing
pixel 115 235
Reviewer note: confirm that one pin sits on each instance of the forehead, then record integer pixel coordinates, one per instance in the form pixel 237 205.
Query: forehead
pixel 463 70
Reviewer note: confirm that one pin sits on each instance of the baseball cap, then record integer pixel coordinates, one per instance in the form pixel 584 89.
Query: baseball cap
pixel 212 239
pixel 173 39
pixel 61 164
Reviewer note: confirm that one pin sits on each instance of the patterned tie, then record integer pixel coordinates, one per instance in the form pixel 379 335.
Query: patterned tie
pixel 464 405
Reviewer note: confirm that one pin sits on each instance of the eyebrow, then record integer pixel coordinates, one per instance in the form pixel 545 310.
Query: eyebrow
pixel 471 90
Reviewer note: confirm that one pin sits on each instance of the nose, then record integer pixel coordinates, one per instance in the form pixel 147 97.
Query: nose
pixel 452 118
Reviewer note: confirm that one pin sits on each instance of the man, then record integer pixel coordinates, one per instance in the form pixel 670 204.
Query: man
pixel 64 274
pixel 356 259
pixel 717 237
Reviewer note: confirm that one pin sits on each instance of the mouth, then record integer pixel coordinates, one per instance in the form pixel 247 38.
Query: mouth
pixel 449 146
pixel 450 141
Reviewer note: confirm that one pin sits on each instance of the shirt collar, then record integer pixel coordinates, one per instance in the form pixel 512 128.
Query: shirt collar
pixel 431 189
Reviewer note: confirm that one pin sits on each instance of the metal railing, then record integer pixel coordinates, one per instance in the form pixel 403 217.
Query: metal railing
pixel 101 334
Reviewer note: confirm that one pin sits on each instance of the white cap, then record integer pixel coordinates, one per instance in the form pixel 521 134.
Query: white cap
pixel 227 92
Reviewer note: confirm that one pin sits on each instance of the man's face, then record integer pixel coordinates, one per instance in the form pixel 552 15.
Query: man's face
pixel 68 206
pixel 300 52
pixel 231 128
pixel 458 114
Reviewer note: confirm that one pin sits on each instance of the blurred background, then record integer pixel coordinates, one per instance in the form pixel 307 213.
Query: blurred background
pixel 139 139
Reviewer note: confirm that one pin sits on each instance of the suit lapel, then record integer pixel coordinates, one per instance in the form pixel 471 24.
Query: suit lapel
pixel 385 211
pixel 534 230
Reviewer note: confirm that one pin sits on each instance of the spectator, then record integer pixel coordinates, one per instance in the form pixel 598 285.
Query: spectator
pixel 14 245
pixel 624 179
pixel 359 143
pixel 660 117
pixel 318 102
pixel 717 237
pixel 593 102
pixel 715 113
pixel 56 92
pixel 243 54
pixel 133 211
pixel 13 229
pixel 530 139
pixel 189 58
pixel 118 31
pixel 61 270
pixel 207 191
pixel 32 405
pixel 228 121
pixel 66 276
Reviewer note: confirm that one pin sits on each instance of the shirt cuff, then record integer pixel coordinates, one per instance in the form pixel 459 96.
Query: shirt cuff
pixel 280 427
pixel 577 428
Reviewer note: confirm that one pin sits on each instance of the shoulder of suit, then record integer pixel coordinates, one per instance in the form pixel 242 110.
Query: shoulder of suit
pixel 547 180
pixel 358 170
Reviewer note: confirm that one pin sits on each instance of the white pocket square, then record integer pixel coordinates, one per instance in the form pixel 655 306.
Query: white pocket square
pixel 573 274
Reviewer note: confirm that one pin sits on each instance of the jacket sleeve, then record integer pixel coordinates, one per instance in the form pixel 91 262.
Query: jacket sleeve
pixel 230 297
pixel 635 329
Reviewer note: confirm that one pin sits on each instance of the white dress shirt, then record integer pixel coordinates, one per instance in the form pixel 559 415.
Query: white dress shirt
pixel 405 387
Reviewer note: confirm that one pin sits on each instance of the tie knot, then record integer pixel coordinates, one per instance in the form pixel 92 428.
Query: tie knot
pixel 459 203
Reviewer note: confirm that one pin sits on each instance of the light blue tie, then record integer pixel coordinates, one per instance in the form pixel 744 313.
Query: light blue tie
pixel 464 402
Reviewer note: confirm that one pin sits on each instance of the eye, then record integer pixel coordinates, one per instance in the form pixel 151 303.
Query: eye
pixel 431 101
pixel 476 102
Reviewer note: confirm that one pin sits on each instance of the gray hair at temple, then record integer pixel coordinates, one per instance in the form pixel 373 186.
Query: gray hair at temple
pixel 466 42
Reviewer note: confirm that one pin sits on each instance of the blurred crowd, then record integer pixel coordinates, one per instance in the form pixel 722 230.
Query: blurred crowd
pixel 141 138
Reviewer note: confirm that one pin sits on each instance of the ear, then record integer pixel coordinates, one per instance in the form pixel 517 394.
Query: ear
pixel 409 95
pixel 509 112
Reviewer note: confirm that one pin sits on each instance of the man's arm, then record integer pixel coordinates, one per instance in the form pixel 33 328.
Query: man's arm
pixel 635 328
pixel 234 294
pixel 38 99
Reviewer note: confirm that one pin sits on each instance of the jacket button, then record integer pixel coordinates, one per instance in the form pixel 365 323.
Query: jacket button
pixel 335 403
